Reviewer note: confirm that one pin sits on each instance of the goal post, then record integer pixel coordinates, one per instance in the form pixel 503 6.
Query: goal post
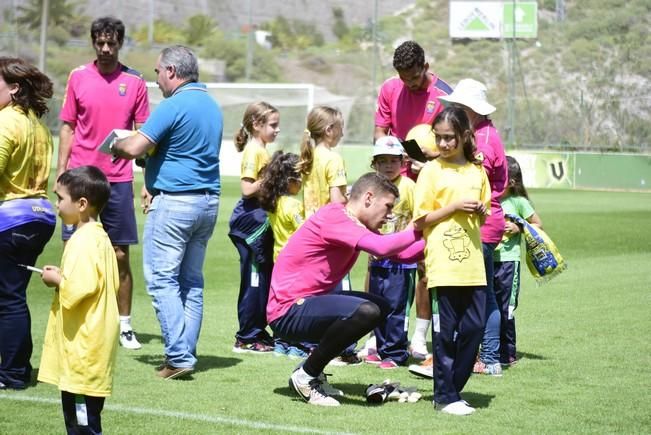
pixel 293 101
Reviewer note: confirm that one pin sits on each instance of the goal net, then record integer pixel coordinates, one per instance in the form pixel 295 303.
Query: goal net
pixel 293 101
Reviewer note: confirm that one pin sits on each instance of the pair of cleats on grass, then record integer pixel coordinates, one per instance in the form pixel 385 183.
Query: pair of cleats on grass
pixel 387 390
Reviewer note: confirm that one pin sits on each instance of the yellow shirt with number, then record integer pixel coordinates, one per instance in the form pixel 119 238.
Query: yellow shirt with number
pixel 328 170
pixel 453 253
pixel 285 221
pixel 254 158
pixel 81 338
pixel 25 155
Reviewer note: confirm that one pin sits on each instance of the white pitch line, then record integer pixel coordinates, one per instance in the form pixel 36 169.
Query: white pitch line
pixel 186 415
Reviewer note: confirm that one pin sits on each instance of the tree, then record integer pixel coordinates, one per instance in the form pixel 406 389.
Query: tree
pixel 339 27
pixel 289 35
pixel 164 33
pixel 199 28
pixel 59 14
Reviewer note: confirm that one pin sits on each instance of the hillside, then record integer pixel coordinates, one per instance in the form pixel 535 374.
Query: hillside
pixel 231 15
pixel 583 84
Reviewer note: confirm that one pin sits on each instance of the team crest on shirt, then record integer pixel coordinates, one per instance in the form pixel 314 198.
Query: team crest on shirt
pixel 430 107
pixel 122 88
pixel 456 241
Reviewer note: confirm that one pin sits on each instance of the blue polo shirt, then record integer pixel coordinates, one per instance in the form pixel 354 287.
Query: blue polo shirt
pixel 187 130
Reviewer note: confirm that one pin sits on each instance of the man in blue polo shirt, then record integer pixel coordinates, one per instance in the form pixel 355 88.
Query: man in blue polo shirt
pixel 181 138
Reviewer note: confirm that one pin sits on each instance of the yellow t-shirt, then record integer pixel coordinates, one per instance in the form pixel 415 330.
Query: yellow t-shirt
pixel 453 254
pixel 403 208
pixel 25 155
pixel 81 338
pixel 254 158
pixel 328 171
pixel 285 221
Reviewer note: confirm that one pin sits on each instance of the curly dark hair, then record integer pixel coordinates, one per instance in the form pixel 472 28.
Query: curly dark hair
pixel 408 55
pixel 34 87
pixel 275 182
pixel 107 26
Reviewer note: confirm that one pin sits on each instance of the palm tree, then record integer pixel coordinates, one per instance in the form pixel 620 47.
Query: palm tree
pixel 59 13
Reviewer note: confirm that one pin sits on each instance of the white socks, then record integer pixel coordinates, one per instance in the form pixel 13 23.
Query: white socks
pixel 125 323
pixel 303 377
pixel 420 332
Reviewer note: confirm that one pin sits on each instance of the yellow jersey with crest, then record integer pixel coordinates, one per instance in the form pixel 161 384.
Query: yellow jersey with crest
pixel 403 208
pixel 453 252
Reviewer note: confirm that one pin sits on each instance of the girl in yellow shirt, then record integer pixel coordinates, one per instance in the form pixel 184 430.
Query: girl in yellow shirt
pixel 324 177
pixel 249 228
pixel 451 201
pixel 280 185
pixel 324 173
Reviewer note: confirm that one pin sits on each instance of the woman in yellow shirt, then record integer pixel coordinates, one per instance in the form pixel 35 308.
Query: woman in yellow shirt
pixel 27 218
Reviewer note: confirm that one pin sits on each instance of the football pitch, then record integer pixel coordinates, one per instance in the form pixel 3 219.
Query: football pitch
pixel 583 343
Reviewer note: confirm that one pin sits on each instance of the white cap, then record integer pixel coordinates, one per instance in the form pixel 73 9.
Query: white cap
pixel 388 145
pixel 470 93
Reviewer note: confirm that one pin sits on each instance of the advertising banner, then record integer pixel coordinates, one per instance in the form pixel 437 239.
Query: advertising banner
pixel 493 19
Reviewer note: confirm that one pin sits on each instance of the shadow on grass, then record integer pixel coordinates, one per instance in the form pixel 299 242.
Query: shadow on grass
pixel 204 362
pixel 477 400
pixel 145 338
pixel 355 394
pixel 526 355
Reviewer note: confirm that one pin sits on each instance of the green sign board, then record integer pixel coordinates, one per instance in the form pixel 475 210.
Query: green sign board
pixel 525 17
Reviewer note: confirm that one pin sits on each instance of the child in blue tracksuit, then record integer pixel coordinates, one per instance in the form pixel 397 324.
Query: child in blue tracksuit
pixel 507 256
pixel 391 280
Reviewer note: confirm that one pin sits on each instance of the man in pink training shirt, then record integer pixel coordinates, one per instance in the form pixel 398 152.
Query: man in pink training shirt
pixel 101 96
pixel 302 305
pixel 407 100
pixel 411 98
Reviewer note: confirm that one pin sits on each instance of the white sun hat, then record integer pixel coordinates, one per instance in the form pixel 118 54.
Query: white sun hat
pixel 387 145
pixel 470 93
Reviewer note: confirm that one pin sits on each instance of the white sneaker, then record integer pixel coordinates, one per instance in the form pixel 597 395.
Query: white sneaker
pixel 128 340
pixel 459 407
pixel 312 391
pixel 418 350
pixel 327 388
pixel 424 369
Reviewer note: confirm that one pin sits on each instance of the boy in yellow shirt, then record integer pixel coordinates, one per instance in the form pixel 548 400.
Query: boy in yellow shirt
pixel 83 326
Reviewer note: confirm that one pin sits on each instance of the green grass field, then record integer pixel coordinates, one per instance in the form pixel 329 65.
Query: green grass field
pixel 583 341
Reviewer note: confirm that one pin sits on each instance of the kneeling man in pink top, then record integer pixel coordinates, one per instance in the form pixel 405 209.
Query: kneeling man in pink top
pixel 302 304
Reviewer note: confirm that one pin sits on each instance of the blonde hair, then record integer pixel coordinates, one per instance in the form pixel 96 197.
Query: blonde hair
pixel 318 120
pixel 257 112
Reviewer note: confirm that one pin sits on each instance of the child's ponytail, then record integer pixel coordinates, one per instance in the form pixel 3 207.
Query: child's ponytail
pixel 307 153
pixel 255 113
